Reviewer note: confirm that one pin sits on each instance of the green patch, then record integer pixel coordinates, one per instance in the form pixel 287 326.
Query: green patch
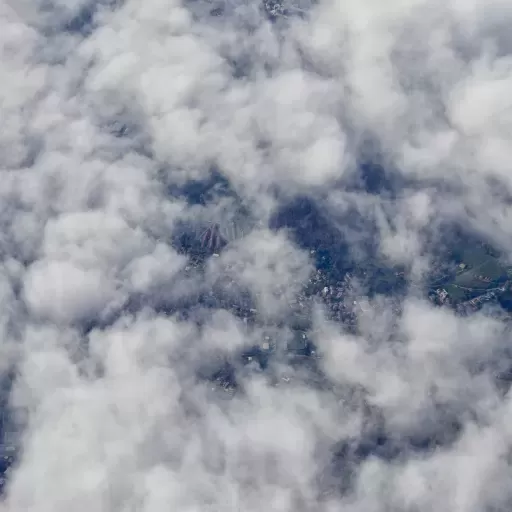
pixel 482 277
pixel 480 270
pixel 456 294
pixel 492 270
pixel 475 256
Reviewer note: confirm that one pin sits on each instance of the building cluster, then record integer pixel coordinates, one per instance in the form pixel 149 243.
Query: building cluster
pixel 475 303
pixel 441 295
pixel 339 297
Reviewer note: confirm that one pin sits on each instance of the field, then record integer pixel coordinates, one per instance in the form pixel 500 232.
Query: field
pixel 481 272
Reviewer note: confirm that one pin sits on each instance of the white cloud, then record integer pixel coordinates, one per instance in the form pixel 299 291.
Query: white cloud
pixel 111 328
pixel 272 269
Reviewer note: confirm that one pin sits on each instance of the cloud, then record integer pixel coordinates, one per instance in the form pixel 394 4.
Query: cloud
pixel 145 369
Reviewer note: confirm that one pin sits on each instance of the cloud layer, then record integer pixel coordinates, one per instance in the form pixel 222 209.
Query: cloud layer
pixel 144 369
